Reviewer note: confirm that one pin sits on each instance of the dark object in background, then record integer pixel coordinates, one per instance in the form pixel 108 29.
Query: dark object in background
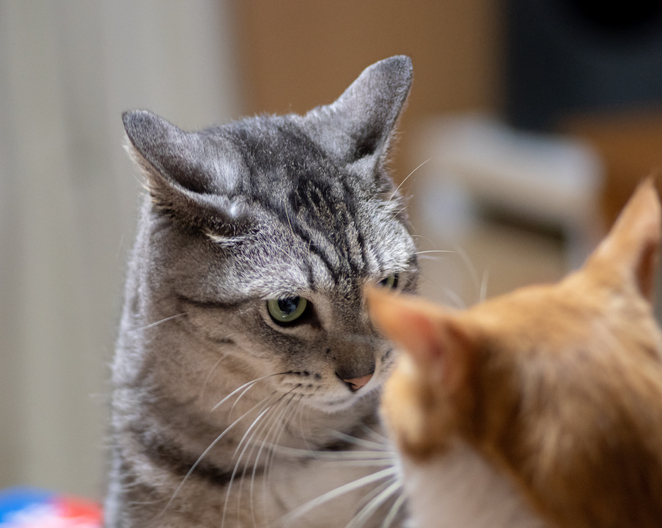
pixel 573 56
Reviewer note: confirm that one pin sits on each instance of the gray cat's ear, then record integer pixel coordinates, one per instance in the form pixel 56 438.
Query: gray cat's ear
pixel 361 122
pixel 188 176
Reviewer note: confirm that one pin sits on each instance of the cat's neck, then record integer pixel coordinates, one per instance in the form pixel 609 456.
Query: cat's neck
pixel 461 489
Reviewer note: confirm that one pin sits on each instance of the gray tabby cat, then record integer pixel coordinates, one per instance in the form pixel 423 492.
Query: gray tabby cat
pixel 245 354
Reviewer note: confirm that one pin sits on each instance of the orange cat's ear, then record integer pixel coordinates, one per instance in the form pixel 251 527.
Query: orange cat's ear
pixel 632 246
pixel 430 336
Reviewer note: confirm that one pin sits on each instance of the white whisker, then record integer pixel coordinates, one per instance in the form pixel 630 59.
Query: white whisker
pixel 246 441
pixel 279 418
pixel 277 431
pixel 454 298
pixel 367 500
pixel 435 284
pixel 360 441
pixel 248 385
pixel 211 446
pixel 408 176
pixel 395 509
pixel 470 267
pixel 302 429
pixel 209 374
pixel 483 286
pixel 424 238
pixel 273 421
pixel 379 438
pixel 365 463
pixel 276 441
pixel 430 257
pixel 425 252
pixel 375 503
pixel 338 492
pixel 250 428
pixel 152 325
pixel 236 466
pixel 349 456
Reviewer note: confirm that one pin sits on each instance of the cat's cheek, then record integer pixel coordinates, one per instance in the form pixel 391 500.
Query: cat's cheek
pixel 401 414
pixel 418 416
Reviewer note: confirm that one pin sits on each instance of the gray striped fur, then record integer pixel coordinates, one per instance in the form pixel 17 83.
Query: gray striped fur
pixel 258 209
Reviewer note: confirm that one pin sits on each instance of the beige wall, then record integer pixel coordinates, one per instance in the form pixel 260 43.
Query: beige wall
pixel 297 54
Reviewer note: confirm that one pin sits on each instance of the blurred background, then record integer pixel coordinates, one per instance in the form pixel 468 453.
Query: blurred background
pixel 529 124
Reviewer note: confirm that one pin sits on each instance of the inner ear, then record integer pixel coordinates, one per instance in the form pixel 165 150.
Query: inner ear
pixel 366 146
pixel 646 271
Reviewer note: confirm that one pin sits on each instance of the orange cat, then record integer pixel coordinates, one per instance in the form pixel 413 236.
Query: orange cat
pixel 538 408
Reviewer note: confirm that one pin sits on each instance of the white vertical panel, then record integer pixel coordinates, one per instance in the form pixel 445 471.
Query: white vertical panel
pixel 11 410
pixel 68 200
pixel 52 334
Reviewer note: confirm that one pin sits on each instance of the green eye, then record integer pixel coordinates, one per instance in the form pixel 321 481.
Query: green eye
pixel 390 282
pixel 287 309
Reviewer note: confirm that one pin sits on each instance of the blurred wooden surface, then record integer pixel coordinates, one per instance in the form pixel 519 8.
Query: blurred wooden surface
pixel 298 54
pixel 630 144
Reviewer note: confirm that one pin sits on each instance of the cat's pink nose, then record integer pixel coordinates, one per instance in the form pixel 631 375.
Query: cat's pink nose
pixel 356 383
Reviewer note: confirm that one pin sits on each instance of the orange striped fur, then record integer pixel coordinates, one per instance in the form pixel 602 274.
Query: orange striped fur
pixel 557 387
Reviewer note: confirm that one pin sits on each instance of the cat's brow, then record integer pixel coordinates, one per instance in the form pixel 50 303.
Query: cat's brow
pixel 210 304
